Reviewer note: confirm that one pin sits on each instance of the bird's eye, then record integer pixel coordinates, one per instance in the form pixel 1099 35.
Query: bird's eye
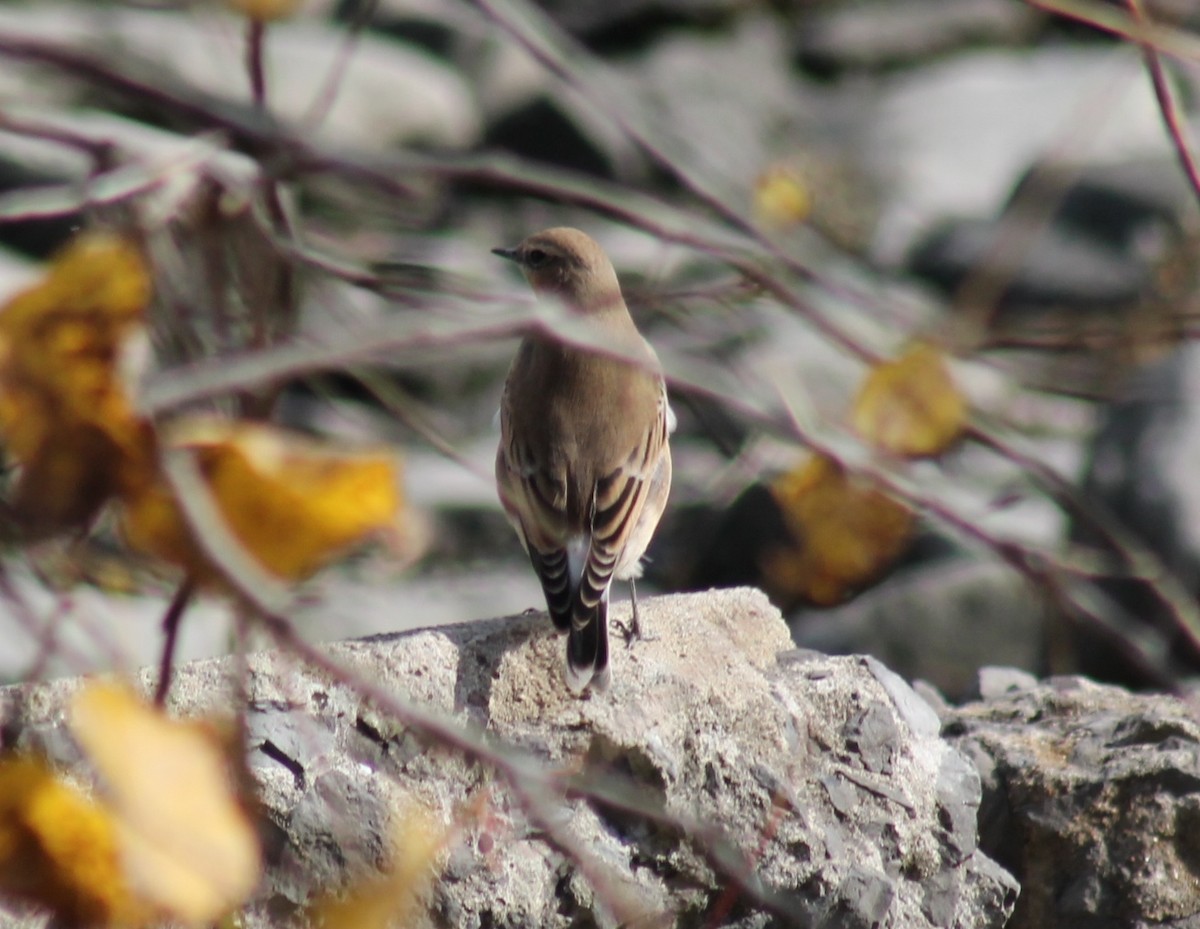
pixel 535 258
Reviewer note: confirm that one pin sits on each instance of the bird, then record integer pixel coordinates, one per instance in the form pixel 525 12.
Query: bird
pixel 583 469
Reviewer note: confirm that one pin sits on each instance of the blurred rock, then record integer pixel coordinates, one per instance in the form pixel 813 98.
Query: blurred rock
pixel 1142 471
pixel 724 105
pixel 829 772
pixel 85 630
pixel 839 37
pixel 35 236
pixel 549 129
pixel 388 93
pixel 1001 681
pixel 685 92
pixel 1092 798
pixel 722 548
pixel 953 138
pixel 1136 207
pixel 621 25
pixel 1051 268
pixel 438 26
pixel 16 273
pixel 1088 238
pixel 939 620
pixel 1088 269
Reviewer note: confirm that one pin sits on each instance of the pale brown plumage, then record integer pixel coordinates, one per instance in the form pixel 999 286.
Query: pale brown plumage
pixel 583 467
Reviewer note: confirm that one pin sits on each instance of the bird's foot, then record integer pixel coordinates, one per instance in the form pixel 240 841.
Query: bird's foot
pixel 632 631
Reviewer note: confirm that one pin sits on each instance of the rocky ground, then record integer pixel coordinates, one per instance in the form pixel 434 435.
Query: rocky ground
pixel 851 799
pixel 825 777
pixel 917 134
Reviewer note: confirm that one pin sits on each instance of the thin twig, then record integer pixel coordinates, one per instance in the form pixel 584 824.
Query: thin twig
pixel 170 624
pixel 100 151
pixel 327 95
pixel 256 32
pixel 1171 114
pixel 1106 18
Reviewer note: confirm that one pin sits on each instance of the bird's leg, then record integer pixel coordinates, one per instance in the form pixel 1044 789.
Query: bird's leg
pixel 634 629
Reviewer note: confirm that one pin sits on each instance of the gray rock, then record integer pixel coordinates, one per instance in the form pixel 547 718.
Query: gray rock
pixel 938 621
pixel 824 773
pixel 1142 471
pixel 1091 799
pixel 1054 267
pixel 952 138
pixel 436 107
pixel 846 36
pixel 996 682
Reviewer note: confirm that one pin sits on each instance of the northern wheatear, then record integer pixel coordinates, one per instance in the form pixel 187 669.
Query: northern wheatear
pixel 583 468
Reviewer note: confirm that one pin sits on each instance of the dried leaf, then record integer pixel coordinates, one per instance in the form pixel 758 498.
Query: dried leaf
pixel 390 898
pixel 291 502
pixel 911 406
pixel 847 533
pixel 65 416
pixel 781 197
pixel 58 849
pixel 187 846
pixel 264 10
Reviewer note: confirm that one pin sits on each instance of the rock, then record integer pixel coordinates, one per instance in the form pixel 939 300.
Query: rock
pixel 36 236
pixel 1132 206
pixel 827 774
pixel 997 682
pixel 852 36
pixel 436 107
pixel 1142 470
pixel 939 620
pixel 725 131
pixel 1090 798
pixel 1052 268
pixel 1086 251
pixel 951 139
pixel 618 25
pixel 88 631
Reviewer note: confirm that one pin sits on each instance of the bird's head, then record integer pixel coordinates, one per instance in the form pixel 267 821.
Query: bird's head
pixel 567 265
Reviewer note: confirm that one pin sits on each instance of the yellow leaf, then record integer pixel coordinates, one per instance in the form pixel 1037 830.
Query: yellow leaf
pixel 392 897
pixel 291 502
pixel 264 10
pixel 911 406
pixel 847 533
pixel 187 847
pixel 781 197
pixel 58 849
pixel 65 416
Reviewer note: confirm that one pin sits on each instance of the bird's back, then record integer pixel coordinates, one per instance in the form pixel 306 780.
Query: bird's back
pixel 576 452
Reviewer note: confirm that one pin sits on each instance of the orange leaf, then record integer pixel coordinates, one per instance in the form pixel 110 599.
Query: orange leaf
pixel 847 533
pixel 911 406
pixel 291 502
pixel 58 849
pixel 186 845
pixel 65 415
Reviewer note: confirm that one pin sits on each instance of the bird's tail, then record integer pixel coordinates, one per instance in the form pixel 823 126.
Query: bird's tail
pixel 587 647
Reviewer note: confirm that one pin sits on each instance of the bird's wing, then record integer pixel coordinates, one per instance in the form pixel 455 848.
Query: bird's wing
pixel 535 498
pixel 617 503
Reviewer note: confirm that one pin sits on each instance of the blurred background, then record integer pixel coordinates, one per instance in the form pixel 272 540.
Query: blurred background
pixel 790 192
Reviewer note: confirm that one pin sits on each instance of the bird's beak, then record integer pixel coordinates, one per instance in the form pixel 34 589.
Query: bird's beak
pixel 510 253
